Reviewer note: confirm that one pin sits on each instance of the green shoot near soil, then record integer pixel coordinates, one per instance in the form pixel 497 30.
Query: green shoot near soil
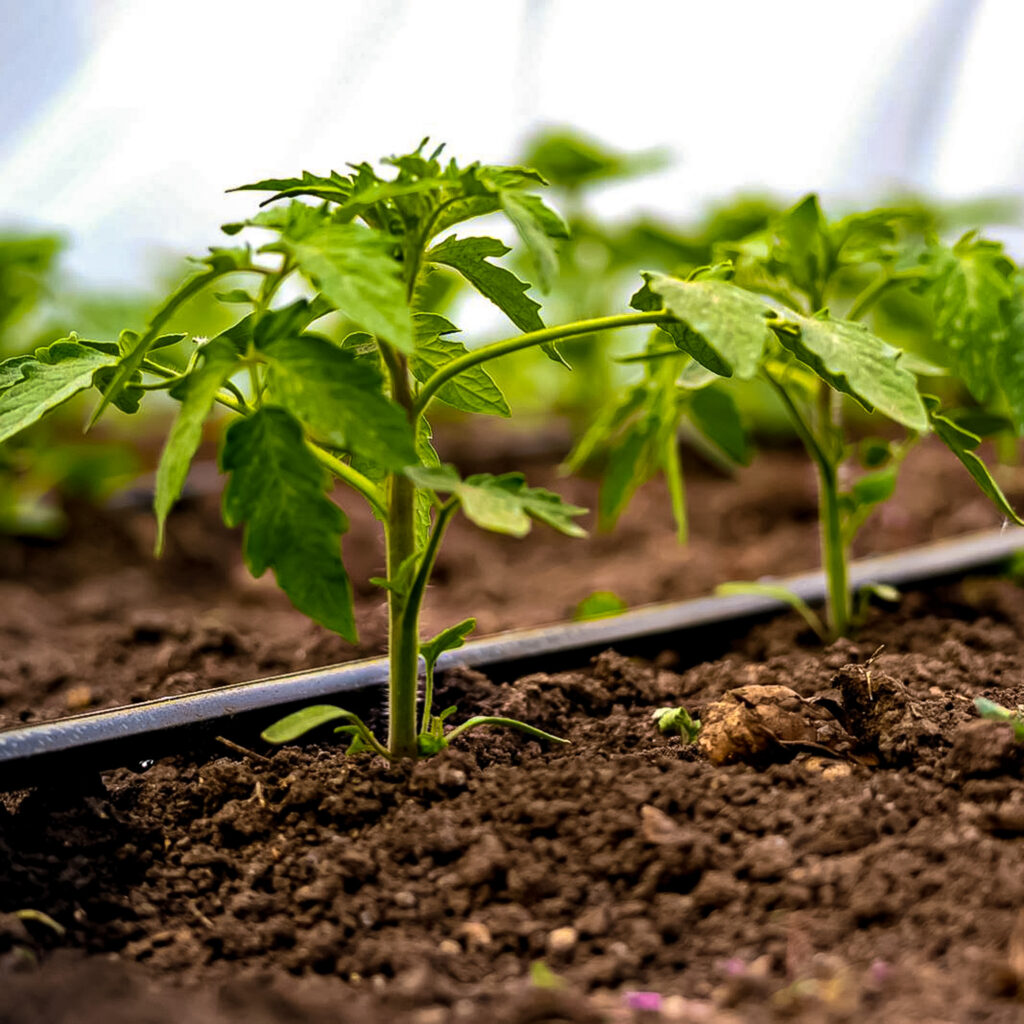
pixel 679 720
pixel 997 713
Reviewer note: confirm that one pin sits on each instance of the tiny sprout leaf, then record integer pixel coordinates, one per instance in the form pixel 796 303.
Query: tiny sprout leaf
pixel 997 713
pixel 962 443
pixel 778 593
pixel 449 639
pixel 507 723
pixel 601 604
pixel 679 720
pixel 297 724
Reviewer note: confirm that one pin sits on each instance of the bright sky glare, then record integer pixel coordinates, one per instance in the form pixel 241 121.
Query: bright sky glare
pixel 122 123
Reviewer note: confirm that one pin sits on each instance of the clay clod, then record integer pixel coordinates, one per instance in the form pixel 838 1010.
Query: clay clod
pixel 762 724
pixel 880 713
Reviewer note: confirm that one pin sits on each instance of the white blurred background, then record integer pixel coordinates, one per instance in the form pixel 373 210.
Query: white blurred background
pixel 122 122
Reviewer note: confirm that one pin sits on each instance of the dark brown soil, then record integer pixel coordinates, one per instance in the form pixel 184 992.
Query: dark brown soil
pixel 95 621
pixel 872 876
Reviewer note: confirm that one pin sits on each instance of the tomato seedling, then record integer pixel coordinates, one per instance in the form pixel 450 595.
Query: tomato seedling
pixel 308 407
pixel 763 313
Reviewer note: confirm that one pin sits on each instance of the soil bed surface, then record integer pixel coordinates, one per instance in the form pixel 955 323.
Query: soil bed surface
pixel 95 621
pixel 872 874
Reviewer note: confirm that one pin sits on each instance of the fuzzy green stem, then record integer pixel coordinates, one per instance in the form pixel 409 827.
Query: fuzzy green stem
pixel 419 589
pixel 484 354
pixel 833 545
pixel 403 615
pixel 676 487
pixel 833 552
pixel 344 472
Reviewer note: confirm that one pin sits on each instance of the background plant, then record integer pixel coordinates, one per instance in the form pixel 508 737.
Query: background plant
pixel 764 313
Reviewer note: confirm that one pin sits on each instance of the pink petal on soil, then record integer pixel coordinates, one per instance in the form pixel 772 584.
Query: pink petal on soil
pixel 643 1000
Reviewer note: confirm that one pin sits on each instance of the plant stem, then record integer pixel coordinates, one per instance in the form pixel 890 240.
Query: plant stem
pixel 676 487
pixel 833 552
pixel 500 348
pixel 833 546
pixel 344 472
pixel 419 588
pixel 403 615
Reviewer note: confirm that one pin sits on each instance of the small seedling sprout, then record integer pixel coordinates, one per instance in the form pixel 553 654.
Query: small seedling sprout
pixel 672 720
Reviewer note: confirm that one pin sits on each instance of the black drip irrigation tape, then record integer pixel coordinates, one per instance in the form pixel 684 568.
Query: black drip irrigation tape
pixel 138 734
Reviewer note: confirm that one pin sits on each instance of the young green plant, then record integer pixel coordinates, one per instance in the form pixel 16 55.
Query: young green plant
pixel 334 384
pixel 763 313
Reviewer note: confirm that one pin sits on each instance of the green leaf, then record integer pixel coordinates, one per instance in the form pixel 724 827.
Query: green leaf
pixel 473 390
pixel 355 269
pixel 848 357
pixel 334 188
pixel 971 296
pixel 536 225
pixel 997 713
pixel 424 503
pixel 802 251
pixel 288 321
pixel 449 639
pixel 217 362
pixel 502 504
pixel 677 720
pixel 235 295
pixel 631 462
pixel 50 378
pixel 341 398
pixel 217 263
pixel 962 443
pixel 777 592
pixel 573 161
pixel 874 488
pixel 297 724
pixel 276 488
pixel 601 604
pixel 469 256
pixel 11 371
pixel 731 325
pixel 715 414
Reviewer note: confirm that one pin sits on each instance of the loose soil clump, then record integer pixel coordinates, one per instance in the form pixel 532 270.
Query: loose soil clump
pixel 867 870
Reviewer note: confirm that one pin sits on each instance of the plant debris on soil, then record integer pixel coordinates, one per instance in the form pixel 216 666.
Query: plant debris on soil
pixel 96 621
pixel 861 864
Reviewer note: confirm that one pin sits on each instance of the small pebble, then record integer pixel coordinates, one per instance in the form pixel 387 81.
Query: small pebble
pixel 562 940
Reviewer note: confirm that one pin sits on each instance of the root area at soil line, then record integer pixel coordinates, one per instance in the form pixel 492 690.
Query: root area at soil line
pixel 870 873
